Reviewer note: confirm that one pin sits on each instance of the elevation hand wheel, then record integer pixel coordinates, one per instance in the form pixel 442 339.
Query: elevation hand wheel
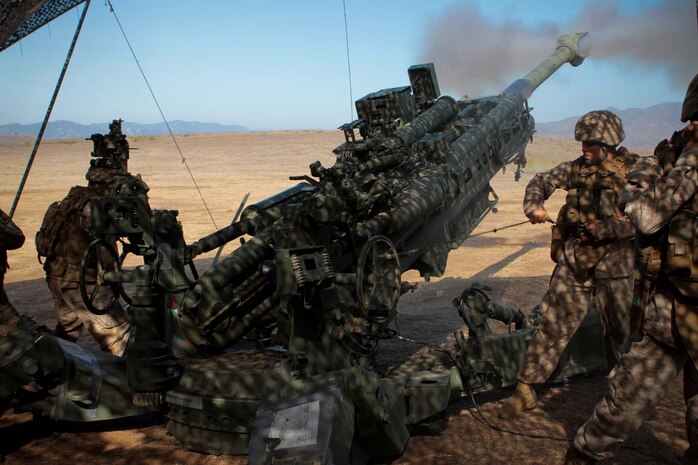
pixel 98 294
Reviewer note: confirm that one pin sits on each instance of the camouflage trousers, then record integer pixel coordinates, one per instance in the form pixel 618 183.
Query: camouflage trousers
pixel 110 330
pixel 564 306
pixel 10 319
pixel 639 382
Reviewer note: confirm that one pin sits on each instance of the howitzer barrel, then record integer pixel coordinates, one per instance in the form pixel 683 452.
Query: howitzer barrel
pixel 443 110
pixel 572 48
pixel 478 139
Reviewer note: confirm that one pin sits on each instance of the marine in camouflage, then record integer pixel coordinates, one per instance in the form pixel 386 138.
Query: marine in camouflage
pixel 640 382
pixel 11 237
pixel 100 175
pixel 591 267
pixel 592 245
pixel 110 330
pixel 657 197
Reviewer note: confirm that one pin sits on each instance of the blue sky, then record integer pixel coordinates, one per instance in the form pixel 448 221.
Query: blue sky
pixel 280 64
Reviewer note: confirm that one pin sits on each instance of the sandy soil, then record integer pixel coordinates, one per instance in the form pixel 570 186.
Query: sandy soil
pixel 514 262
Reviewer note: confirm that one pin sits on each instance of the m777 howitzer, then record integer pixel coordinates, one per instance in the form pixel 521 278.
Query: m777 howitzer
pixel 412 188
pixel 318 283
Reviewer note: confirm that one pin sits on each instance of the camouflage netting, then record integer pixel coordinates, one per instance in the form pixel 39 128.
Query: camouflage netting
pixel 19 19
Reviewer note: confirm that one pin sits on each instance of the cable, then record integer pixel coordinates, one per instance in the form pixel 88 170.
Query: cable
pixel 167 124
pixel 346 37
pixel 480 417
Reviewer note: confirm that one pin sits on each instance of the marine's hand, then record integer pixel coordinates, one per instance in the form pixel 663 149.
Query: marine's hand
pixel 539 216
pixel 591 229
pixel 689 135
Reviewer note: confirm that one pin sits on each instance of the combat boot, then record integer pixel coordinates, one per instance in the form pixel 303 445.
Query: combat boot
pixel 524 398
pixel 574 457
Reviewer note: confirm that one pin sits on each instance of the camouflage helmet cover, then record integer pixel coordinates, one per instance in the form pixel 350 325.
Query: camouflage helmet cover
pixel 600 126
pixel 100 175
pixel 690 102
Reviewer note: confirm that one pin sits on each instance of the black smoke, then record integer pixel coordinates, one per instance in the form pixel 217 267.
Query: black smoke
pixel 475 56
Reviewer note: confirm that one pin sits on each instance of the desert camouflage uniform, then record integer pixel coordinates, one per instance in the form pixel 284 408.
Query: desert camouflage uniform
pixel 63 275
pixel 598 269
pixel 670 345
pixel 11 237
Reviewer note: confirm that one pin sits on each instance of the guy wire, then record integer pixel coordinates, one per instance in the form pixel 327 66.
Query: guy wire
pixel 167 124
pixel 44 123
pixel 346 37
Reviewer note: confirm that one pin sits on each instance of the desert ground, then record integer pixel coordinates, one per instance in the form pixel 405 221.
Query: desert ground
pixel 514 262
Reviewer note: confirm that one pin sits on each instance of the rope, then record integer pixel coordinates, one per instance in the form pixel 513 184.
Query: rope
pixel 40 136
pixel 499 229
pixel 167 124
pixel 346 37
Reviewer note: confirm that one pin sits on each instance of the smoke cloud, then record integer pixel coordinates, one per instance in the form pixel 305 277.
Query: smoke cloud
pixel 464 43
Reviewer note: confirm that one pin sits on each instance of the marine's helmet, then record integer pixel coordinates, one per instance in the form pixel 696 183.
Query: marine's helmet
pixel 600 126
pixel 100 175
pixel 690 102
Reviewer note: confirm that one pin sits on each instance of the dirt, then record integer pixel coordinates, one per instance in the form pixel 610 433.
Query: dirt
pixel 514 262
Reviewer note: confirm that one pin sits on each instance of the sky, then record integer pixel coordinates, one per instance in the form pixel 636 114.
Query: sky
pixel 283 65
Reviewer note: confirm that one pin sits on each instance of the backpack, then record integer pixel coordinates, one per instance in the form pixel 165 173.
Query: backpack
pixel 57 215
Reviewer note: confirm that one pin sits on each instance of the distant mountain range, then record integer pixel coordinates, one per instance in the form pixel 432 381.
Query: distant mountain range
pixel 644 127
pixel 70 130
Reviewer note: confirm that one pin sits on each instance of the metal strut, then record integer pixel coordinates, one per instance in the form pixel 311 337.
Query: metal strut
pixel 49 110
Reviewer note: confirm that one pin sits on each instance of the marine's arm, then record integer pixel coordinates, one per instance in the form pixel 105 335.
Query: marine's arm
pixel 541 187
pixel 617 227
pixel 11 237
pixel 651 199
pixel 85 217
pixel 611 228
